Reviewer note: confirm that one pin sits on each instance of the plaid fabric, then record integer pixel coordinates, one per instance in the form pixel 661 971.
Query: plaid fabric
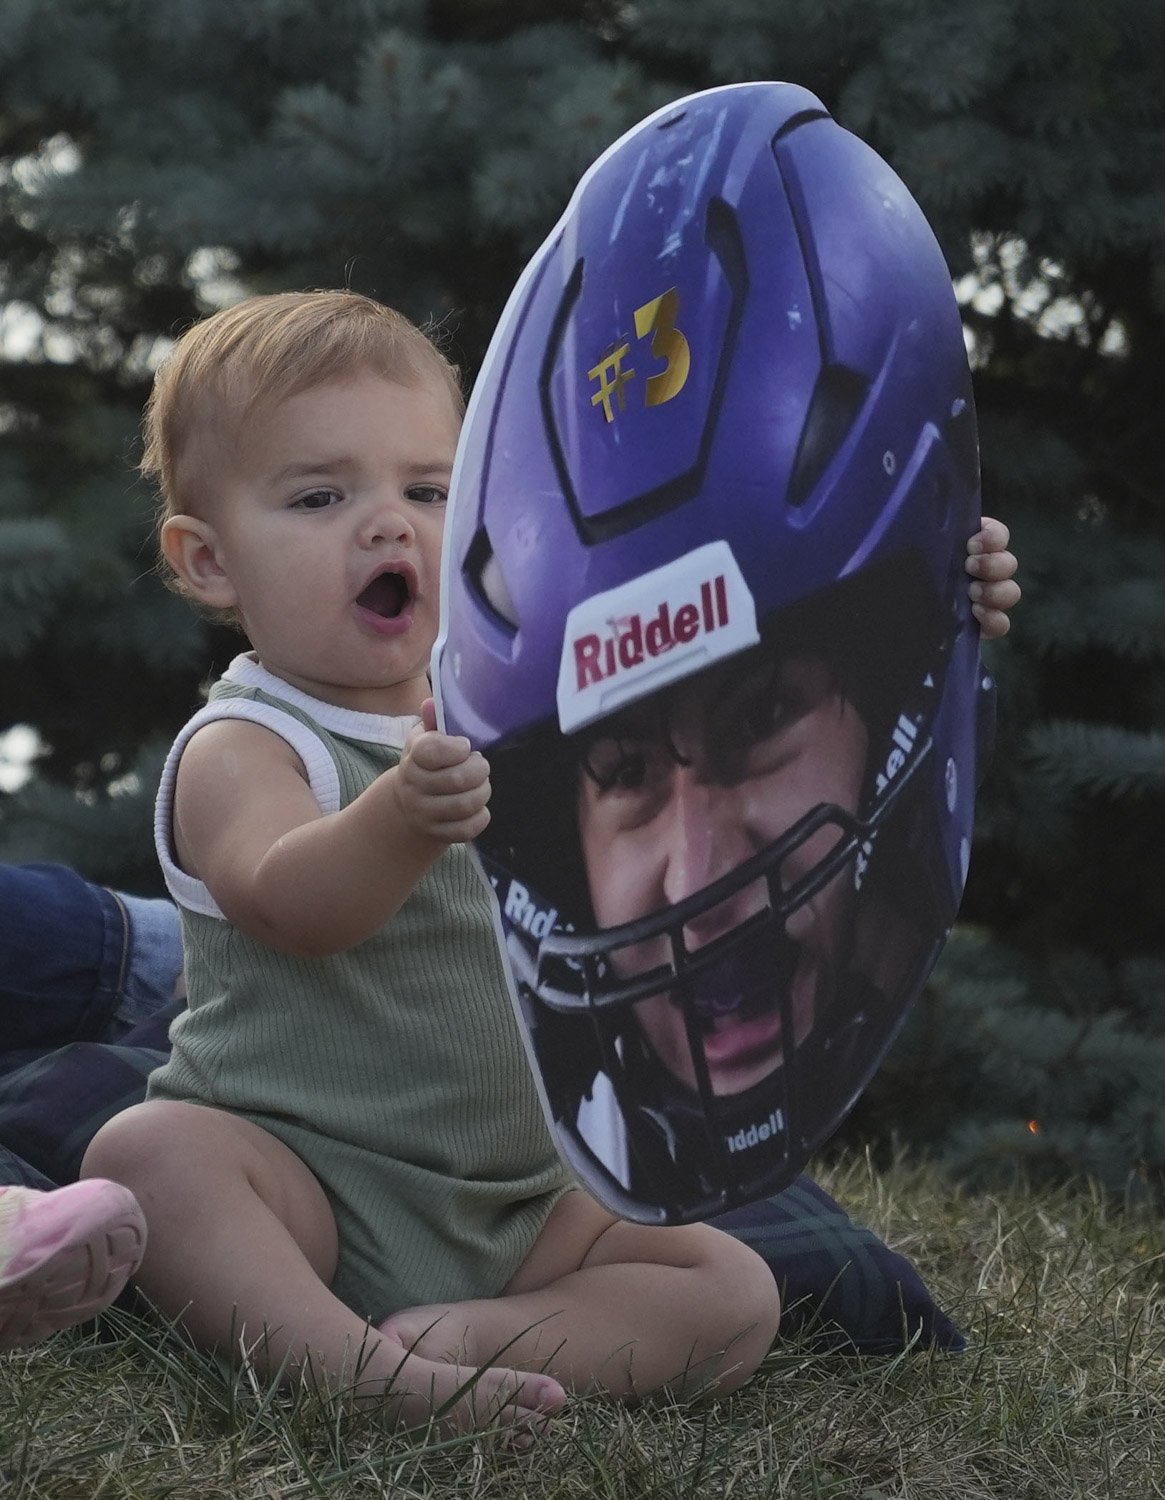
pixel 842 1288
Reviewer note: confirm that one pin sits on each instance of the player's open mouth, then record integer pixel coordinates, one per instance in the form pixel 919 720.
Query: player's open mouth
pixel 386 599
pixel 744 1042
pixel 744 984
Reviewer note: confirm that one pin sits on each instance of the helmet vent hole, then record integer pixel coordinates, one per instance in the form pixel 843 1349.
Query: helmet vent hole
pixel 837 399
pixel 963 440
pixel 484 573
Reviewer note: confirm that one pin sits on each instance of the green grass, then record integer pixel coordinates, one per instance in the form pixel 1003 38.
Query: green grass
pixel 1062 1393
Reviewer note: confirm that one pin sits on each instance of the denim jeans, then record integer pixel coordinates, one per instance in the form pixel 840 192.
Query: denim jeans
pixel 78 962
pixel 87 981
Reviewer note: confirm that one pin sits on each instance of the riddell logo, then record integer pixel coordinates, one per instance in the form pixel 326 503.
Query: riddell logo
pixel 632 641
pixel 523 911
pixel 904 736
pixel 757 1134
pixel 656 629
pixel 903 740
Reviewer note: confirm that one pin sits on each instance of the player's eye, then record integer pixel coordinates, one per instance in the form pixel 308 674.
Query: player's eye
pixel 427 494
pixel 762 715
pixel 625 766
pixel 760 705
pixel 614 769
pixel 316 500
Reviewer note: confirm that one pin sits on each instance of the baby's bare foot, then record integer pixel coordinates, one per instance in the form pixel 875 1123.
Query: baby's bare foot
pixel 440 1332
pixel 459 1398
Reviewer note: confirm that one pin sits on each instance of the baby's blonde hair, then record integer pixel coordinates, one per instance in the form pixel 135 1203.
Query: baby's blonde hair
pixel 268 349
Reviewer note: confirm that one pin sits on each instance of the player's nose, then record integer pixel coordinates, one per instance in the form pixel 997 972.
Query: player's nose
pixel 707 838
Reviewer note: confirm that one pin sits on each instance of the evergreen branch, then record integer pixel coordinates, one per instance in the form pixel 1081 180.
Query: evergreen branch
pixel 34 566
pixel 30 544
pixel 1144 981
pixel 1098 759
pixel 1126 618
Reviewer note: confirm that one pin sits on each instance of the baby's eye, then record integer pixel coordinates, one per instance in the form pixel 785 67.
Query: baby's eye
pixel 427 494
pixel 317 500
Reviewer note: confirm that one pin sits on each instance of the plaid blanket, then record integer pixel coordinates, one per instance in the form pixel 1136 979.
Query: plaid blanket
pixel 842 1288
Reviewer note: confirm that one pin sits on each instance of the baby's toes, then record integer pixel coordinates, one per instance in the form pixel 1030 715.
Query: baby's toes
pixel 518 1402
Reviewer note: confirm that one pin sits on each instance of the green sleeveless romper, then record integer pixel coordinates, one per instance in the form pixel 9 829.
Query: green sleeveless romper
pixel 396 1070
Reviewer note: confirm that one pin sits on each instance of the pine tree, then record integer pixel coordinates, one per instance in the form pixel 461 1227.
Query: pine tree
pixel 160 157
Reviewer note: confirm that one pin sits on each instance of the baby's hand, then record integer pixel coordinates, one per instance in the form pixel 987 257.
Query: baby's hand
pixel 993 567
pixel 442 784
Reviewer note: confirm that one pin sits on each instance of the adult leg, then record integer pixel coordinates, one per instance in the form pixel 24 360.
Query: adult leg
pixel 242 1246
pixel 625 1308
pixel 78 962
pixel 51 1108
pixel 64 945
pixel 16 1172
pixel 89 981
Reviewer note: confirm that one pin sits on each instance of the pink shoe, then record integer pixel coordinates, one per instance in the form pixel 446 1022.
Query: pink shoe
pixel 64 1255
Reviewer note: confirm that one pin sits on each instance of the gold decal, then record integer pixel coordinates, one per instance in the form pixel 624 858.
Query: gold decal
pixel 656 319
pixel 669 343
pixel 612 377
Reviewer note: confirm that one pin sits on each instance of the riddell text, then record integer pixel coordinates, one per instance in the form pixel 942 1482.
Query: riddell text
pixel 633 639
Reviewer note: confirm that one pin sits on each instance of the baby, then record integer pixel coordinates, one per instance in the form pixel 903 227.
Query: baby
pixel 344 1165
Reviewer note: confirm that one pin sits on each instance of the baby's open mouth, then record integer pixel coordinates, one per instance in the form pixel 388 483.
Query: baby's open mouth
pixel 386 595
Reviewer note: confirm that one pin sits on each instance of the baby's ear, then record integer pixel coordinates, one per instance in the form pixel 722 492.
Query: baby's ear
pixel 191 547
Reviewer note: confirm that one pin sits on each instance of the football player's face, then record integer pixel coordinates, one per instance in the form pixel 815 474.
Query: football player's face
pixel 680 790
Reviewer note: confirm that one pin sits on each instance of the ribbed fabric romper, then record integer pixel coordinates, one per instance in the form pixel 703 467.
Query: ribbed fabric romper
pixel 395 1070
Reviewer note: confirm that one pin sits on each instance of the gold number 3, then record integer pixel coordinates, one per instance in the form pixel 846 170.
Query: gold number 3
pixel 669 343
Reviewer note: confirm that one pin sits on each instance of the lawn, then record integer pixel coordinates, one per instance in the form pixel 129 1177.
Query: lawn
pixel 1061 1394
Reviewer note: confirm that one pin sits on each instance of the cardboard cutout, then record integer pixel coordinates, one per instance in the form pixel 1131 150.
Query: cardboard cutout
pixel 705 614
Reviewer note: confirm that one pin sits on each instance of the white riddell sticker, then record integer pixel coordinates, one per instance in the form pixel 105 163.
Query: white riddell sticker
pixel 663 625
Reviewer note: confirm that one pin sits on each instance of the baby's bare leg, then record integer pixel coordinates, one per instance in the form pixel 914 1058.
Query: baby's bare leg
pixel 241 1245
pixel 625 1308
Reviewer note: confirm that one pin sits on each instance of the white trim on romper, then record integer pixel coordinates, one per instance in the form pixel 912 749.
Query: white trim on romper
pixel 322 776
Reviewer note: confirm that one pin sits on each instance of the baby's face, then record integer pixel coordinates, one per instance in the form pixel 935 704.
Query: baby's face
pixel 328 526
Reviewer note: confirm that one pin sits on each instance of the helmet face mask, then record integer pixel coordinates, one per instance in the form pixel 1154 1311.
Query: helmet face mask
pixel 704 612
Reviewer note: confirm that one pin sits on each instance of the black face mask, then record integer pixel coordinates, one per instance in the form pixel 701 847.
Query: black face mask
pixel 677 1150
pixel 660 1150
pixel 689 1147
pixel 681 1152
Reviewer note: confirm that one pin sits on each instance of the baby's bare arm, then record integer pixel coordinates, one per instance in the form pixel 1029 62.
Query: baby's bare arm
pixel 247 824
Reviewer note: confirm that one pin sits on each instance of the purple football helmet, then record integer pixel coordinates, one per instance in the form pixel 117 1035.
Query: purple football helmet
pixel 723 435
